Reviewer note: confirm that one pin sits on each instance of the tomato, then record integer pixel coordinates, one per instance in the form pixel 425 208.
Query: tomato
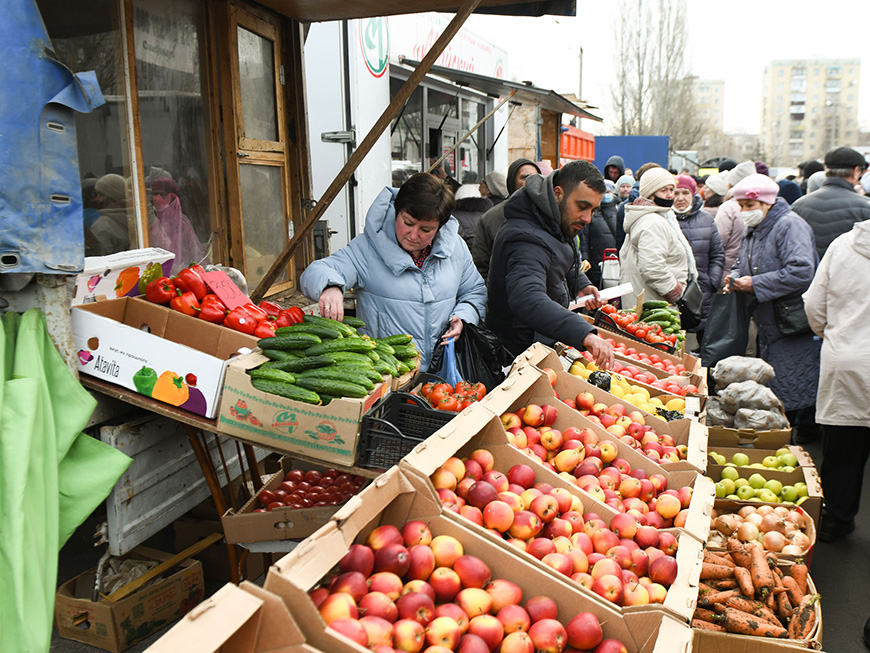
pixel 480 390
pixel 640 333
pixel 281 496
pixel 608 308
pixel 313 476
pixel 288 486
pixel 631 351
pixel 438 393
pixel 326 481
pixel 632 329
pixel 295 475
pixel 448 403
pixel 426 390
pixel 446 387
pixel 690 389
pixel 463 387
pixel 655 358
pixel 275 504
pixel 266 497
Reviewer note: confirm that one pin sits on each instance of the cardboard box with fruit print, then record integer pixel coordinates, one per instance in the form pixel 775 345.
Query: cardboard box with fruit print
pixel 124 274
pixel 155 351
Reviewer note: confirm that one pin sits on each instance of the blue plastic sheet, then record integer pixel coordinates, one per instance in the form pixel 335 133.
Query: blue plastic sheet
pixel 41 226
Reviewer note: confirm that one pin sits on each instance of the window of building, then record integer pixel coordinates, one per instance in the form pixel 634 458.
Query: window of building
pixel 471 152
pixel 834 71
pixel 832 85
pixel 851 97
pixel 406 141
pixel 781 72
pixel 798 71
pixel 780 86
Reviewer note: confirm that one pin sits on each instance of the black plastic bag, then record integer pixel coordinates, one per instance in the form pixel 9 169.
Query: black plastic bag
pixel 480 356
pixel 727 332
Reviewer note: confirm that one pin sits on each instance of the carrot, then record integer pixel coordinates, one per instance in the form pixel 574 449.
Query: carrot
pixel 705 615
pixel 783 605
pixel 744 581
pixel 762 576
pixel 704 588
pixel 799 572
pixel 741 623
pixel 739 552
pixel 710 571
pixel 706 625
pixel 753 607
pixel 717 559
pixel 803 618
pixel 712 598
pixel 724 584
pixel 794 592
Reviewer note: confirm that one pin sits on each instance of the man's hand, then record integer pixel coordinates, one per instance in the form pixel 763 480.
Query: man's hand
pixel 743 284
pixel 726 284
pixel 601 350
pixel 453 331
pixel 593 300
pixel 332 303
pixel 675 294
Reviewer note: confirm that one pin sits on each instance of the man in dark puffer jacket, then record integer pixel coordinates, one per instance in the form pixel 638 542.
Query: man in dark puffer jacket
pixel 600 234
pixel 835 207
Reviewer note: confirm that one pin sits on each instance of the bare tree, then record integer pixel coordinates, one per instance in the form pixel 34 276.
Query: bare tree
pixel 653 93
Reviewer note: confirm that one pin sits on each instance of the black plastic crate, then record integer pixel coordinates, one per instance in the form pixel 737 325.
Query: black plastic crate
pixel 394 426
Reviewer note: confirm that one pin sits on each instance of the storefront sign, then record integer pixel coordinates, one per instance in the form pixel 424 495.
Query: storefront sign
pixel 374 39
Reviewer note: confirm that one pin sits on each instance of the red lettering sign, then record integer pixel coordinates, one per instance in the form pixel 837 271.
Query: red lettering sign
pixel 222 286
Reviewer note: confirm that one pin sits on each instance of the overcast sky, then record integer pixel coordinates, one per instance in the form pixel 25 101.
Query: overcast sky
pixel 732 41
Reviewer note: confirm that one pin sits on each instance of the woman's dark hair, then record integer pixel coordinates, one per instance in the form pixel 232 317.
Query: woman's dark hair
pixel 424 197
pixel 714 200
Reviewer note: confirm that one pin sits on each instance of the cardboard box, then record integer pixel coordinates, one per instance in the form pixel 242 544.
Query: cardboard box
pixel 328 433
pixel 401 382
pixel 215 560
pixel 724 506
pixel 758 455
pixel 244 618
pixel 719 436
pixel 117 275
pixel 280 524
pixel 528 384
pixel 117 625
pixel 119 338
pixel 395 499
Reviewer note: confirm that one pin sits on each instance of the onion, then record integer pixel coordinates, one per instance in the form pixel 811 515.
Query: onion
pixel 800 539
pixel 764 510
pixel 773 541
pixel 755 518
pixel 747 531
pixel 773 522
pixel 790 527
pixel 782 511
pixel 746 511
pixel 791 550
pixel 798 518
pixel 726 524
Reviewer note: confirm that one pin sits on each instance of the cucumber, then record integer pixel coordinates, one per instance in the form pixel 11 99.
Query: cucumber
pixel 342 357
pixel 295 341
pixel 373 356
pixel 381 346
pixel 354 322
pixel 299 364
pixel 396 339
pixel 389 358
pixel 403 368
pixel 322 331
pixel 658 316
pixel 272 374
pixel 654 304
pixel 325 321
pixel 338 374
pixel 358 345
pixel 383 367
pixel 333 387
pixel 368 372
pixel 287 390
pixel 405 352
pixel 279 354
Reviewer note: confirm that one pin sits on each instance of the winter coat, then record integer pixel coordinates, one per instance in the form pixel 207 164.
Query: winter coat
pixel 531 259
pixel 832 210
pixel 840 316
pixel 468 212
pixel 731 228
pixel 617 162
pixel 780 255
pixel 620 214
pixel 654 256
pixel 700 230
pixel 394 295
pixel 596 237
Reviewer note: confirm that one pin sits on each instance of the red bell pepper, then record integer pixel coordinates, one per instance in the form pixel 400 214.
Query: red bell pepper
pixel 188 280
pixel 185 302
pixel 295 314
pixel 256 312
pixel 265 329
pixel 240 320
pixel 160 291
pixel 212 309
pixel 282 320
pixel 272 309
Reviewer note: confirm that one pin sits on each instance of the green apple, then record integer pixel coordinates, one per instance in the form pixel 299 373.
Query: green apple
pixel 757 465
pixel 730 473
pixel 757 481
pixel 771 462
pixel 774 486
pixel 788 459
pixel 740 482
pixel 740 459
pixel 801 500
pixel 720 490
pixel 730 486
pixel 766 495
pixel 789 493
pixel 782 451
pixel 788 469
pixel 801 488
pixel 733 497
pixel 720 459
pixel 745 492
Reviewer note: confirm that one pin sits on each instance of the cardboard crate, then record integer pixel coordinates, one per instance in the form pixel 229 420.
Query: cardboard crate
pixel 395 499
pixel 758 455
pixel 117 625
pixel 117 338
pixel 328 433
pixel 528 383
pixel 215 559
pixel 244 618
pixel 280 524
pixel 720 436
pixel 99 279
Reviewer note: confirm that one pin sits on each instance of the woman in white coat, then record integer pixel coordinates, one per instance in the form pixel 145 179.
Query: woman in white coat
pixel 839 312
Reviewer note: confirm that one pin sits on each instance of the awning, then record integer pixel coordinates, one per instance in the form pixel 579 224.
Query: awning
pixel 495 87
pixel 320 10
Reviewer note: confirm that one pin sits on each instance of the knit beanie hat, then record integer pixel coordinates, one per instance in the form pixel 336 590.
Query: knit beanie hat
pixel 164 185
pixel 112 186
pixel 741 171
pixel 610 186
pixel 625 179
pixel 685 181
pixel 816 180
pixel 756 187
pixel 467 190
pixel 727 164
pixel 718 183
pixel 497 184
pixel 761 168
pixel 653 180
pixel 789 191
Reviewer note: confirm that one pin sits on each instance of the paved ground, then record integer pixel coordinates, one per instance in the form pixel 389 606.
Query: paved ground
pixel 839 570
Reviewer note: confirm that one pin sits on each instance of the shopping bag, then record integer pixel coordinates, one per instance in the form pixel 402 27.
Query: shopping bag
pixel 479 357
pixel 691 306
pixel 448 369
pixel 610 268
pixel 727 332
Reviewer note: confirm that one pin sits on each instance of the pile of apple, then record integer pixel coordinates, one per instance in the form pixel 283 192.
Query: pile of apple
pixel 404 590
pixel 627 563
pixel 310 489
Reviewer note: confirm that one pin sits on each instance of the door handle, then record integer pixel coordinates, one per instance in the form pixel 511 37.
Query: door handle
pixel 242 154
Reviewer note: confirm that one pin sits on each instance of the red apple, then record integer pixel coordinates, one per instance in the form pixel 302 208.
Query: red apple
pixel 394 558
pixel 473 572
pixel 517 642
pixel 418 586
pixel 526 525
pixel 352 629
pixel 481 493
pixel 378 604
pixel 384 535
pixel 421 562
pixel 351 582
pixel 488 628
pixel 474 601
pixel 499 515
pixel 446 584
pixel 560 562
pixel 443 631
pixel 663 570
pixel 503 593
pixel 338 606
pixel 548 636
pixel 417 606
pixel 408 635
pixel 454 612
pixel 540 546
pixel 584 631
pixel 359 557
pixel 609 586
pixel 541 607
pixel 446 549
pixel 416 532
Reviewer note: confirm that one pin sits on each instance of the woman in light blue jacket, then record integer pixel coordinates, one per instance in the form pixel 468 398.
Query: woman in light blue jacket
pixel 410 269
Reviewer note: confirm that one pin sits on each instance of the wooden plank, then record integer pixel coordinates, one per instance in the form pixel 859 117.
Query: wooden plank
pixel 368 142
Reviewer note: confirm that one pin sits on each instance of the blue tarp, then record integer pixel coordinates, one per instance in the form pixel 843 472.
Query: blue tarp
pixel 41 227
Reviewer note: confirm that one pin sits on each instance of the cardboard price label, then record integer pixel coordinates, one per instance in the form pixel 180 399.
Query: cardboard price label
pixel 222 286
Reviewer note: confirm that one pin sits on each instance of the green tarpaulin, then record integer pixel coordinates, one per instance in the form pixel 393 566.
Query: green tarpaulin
pixel 52 476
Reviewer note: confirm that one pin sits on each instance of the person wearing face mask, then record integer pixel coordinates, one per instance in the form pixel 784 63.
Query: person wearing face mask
pixel 700 230
pixel 656 258
pixel 600 234
pixel 777 260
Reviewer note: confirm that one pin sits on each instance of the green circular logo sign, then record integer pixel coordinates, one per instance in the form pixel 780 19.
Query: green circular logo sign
pixel 374 41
